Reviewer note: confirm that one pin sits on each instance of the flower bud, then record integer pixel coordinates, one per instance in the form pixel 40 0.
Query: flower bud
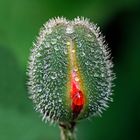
pixel 70 71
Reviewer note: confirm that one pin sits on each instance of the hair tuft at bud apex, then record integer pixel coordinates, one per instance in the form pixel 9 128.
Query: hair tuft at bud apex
pixel 70 71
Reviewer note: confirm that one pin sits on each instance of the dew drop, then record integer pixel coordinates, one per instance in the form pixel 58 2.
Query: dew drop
pixel 75 69
pixel 53 41
pixel 73 50
pixel 58 37
pixel 79 44
pixel 39 89
pixel 83 54
pixel 65 51
pixel 78 102
pixel 54 75
pixel 46 44
pixel 39 65
pixel 38 54
pixel 69 30
pixel 92 50
pixel 89 35
pixel 76 79
pixel 87 63
pixel 68 43
pixel 102 75
pixel 45 76
pixel 78 98
pixel 56 48
pixel 59 100
pixel 49 31
pixel 96 75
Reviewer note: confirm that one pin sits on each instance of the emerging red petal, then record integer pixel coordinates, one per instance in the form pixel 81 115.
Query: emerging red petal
pixel 77 96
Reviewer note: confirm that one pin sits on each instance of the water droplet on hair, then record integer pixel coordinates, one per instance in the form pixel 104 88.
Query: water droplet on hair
pixel 90 37
pixel 38 54
pixel 59 100
pixel 102 75
pixel 56 48
pixel 58 37
pixel 83 54
pixel 69 30
pixel 92 50
pixel 65 51
pixel 53 41
pixel 49 30
pixel 96 75
pixel 39 89
pixel 46 44
pixel 79 45
pixel 87 63
pixel 54 75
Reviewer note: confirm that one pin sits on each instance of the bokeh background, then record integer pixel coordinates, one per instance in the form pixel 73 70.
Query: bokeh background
pixel 20 21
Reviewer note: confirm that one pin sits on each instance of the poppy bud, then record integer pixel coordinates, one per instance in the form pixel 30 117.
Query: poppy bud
pixel 70 71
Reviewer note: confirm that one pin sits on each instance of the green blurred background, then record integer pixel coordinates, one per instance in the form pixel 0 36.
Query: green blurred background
pixel 20 21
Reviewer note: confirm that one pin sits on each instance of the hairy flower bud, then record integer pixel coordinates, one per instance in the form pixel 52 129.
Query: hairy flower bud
pixel 70 71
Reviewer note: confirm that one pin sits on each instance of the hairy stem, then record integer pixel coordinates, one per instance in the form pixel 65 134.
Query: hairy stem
pixel 68 131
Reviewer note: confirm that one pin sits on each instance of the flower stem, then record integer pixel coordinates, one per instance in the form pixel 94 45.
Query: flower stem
pixel 68 131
